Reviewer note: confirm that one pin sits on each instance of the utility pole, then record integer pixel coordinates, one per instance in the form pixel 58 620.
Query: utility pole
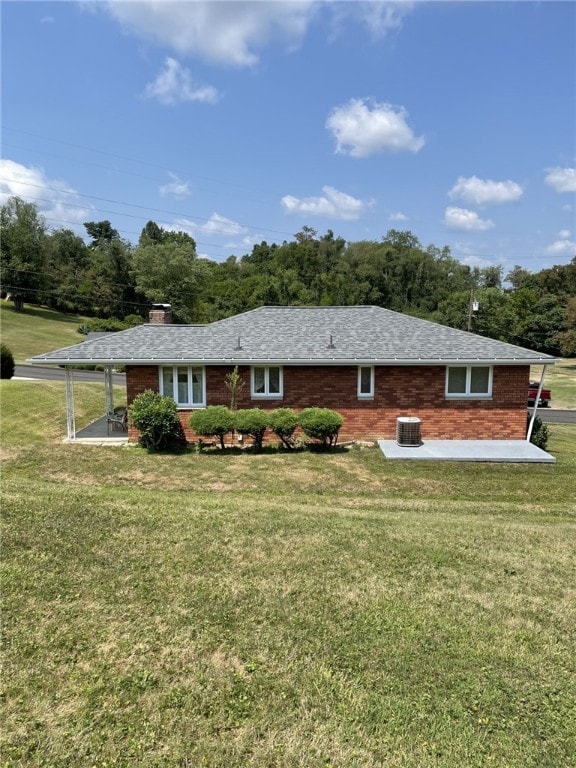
pixel 472 307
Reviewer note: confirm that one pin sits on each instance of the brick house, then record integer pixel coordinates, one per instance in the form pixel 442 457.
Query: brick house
pixel 370 364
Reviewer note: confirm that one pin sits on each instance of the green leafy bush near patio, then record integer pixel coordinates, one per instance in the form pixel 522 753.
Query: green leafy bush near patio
pixel 540 433
pixel 321 424
pixel 213 421
pixel 156 418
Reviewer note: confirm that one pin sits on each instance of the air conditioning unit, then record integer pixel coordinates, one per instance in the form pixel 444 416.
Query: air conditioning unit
pixel 408 431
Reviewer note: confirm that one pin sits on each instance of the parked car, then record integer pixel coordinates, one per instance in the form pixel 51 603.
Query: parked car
pixel 545 395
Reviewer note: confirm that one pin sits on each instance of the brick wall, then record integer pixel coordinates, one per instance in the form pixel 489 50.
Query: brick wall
pixel 399 391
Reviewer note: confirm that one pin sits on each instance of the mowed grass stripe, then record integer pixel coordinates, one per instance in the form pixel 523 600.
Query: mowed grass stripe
pixel 155 628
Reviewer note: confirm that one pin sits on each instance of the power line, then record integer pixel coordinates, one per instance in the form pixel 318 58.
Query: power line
pixel 141 207
pixel 125 157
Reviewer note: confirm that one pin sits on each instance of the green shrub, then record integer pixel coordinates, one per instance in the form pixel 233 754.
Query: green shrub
pixel 156 418
pixel 252 422
pixel 540 433
pixel 321 424
pixel 283 422
pixel 213 421
pixel 6 362
pixel 109 324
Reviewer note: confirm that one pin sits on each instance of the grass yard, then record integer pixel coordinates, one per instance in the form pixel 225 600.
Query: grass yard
pixel 561 379
pixel 276 610
pixel 37 330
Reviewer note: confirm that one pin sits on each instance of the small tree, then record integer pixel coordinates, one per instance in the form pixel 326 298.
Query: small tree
pixel 6 362
pixel 252 422
pixel 283 422
pixel 213 421
pixel 321 424
pixel 156 418
pixel 234 384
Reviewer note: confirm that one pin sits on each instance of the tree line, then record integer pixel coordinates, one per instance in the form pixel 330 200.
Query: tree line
pixel 106 276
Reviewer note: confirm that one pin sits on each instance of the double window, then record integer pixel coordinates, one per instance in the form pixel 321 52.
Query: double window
pixel 266 381
pixel 186 384
pixel 471 381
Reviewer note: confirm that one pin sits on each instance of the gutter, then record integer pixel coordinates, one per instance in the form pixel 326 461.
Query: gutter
pixel 386 362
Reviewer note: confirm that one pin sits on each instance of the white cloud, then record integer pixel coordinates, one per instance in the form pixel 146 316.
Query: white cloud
pixel 485 191
pixel 379 18
pixel 564 234
pixel 398 216
pixel 363 128
pixel 55 200
pixel 175 188
pixel 226 33
pixel 215 225
pixel 562 246
pixel 463 219
pixel 333 204
pixel 174 85
pixel 561 179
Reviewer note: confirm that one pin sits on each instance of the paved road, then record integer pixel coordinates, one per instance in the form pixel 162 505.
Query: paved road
pixel 554 416
pixel 53 373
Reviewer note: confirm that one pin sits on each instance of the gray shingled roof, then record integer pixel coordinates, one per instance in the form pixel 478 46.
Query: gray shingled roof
pixel 295 335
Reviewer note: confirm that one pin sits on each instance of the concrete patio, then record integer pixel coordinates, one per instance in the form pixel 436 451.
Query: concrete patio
pixel 100 433
pixel 513 451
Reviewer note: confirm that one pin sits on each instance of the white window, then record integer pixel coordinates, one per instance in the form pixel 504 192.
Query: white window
pixel 365 382
pixel 266 381
pixel 186 384
pixel 471 381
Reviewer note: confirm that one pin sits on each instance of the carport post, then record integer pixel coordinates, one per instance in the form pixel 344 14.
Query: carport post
pixel 70 415
pixel 536 401
pixel 109 392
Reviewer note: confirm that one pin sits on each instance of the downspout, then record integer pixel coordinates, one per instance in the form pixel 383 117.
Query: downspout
pixel 536 401
pixel 70 415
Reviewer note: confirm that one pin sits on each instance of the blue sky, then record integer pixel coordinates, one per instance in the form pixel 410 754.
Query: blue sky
pixel 240 122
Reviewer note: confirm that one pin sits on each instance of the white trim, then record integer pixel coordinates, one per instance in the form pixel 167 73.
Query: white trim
pixel 189 405
pixel 365 395
pixel 467 394
pixel 390 362
pixel 267 395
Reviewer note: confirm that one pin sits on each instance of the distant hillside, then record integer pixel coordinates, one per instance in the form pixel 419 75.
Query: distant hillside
pixel 37 330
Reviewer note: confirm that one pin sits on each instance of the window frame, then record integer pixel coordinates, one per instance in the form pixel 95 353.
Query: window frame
pixel 267 395
pixel 190 369
pixel 468 394
pixel 365 395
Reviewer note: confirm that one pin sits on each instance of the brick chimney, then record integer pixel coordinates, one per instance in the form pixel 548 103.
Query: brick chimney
pixel 160 314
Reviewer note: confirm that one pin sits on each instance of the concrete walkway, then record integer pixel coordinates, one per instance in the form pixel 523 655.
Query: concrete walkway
pixel 513 451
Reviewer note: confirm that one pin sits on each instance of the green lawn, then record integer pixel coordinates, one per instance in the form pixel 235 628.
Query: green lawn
pixel 561 379
pixel 37 330
pixel 301 609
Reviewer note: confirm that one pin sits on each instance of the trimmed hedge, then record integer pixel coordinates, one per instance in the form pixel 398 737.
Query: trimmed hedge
pixel 283 422
pixel 218 420
pixel 213 421
pixel 156 418
pixel 252 422
pixel 321 424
